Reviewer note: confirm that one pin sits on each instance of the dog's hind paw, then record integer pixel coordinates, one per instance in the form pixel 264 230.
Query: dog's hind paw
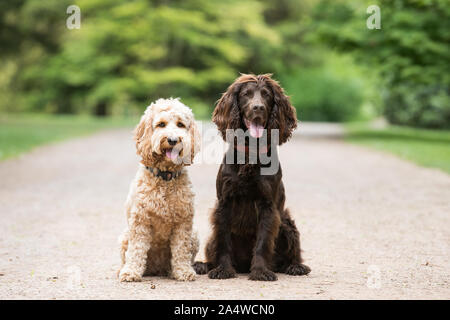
pixel 200 267
pixel 298 270
pixel 222 273
pixel 262 275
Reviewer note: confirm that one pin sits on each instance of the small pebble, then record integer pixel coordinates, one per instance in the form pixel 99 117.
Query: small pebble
pixel 153 286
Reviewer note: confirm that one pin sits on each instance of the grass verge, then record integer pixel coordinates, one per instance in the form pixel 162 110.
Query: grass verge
pixel 429 148
pixel 21 133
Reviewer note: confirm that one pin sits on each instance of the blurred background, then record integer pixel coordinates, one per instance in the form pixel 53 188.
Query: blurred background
pixel 56 82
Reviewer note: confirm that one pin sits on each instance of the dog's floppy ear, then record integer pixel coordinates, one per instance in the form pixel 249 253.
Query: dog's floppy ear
pixel 142 136
pixel 283 115
pixel 139 130
pixel 195 140
pixel 226 115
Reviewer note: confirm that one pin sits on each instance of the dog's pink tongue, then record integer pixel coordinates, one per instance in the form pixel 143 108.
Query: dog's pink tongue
pixel 256 130
pixel 171 154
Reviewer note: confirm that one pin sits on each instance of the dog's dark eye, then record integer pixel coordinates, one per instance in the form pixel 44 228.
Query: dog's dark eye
pixel 161 125
pixel 180 125
pixel 247 93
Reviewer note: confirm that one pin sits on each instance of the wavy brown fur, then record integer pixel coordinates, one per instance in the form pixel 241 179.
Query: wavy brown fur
pixel 252 231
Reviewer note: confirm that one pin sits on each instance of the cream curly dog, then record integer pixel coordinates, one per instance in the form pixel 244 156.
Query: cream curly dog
pixel 159 239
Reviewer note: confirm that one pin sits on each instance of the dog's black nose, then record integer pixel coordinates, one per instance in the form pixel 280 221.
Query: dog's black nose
pixel 172 141
pixel 258 107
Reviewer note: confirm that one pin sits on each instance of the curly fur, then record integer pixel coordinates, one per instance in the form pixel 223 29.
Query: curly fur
pixel 252 231
pixel 159 239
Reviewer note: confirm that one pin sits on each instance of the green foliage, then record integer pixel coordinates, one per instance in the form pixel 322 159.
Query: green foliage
pixel 320 96
pixel 31 26
pixel 429 148
pixel 410 52
pixel 128 53
pixel 330 91
pixel 419 105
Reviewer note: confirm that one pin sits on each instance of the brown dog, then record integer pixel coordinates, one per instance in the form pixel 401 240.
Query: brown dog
pixel 252 231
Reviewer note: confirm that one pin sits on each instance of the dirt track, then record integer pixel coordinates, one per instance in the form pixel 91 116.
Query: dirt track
pixel 372 226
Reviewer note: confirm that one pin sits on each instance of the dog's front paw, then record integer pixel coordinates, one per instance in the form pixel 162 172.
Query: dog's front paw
pixel 262 275
pixel 222 273
pixel 127 275
pixel 184 275
pixel 298 270
pixel 200 267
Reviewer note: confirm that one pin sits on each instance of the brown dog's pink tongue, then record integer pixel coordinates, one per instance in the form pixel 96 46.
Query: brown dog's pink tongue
pixel 256 130
pixel 172 154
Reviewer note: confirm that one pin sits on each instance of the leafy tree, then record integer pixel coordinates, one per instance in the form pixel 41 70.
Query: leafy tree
pixel 130 52
pixel 30 31
pixel 410 52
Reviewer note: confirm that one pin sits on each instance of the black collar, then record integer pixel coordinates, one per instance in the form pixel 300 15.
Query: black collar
pixel 165 175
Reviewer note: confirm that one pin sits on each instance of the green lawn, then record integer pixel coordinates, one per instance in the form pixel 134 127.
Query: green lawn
pixel 20 133
pixel 429 148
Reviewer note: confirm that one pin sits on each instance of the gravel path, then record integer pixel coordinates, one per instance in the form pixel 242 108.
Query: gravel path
pixel 373 226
